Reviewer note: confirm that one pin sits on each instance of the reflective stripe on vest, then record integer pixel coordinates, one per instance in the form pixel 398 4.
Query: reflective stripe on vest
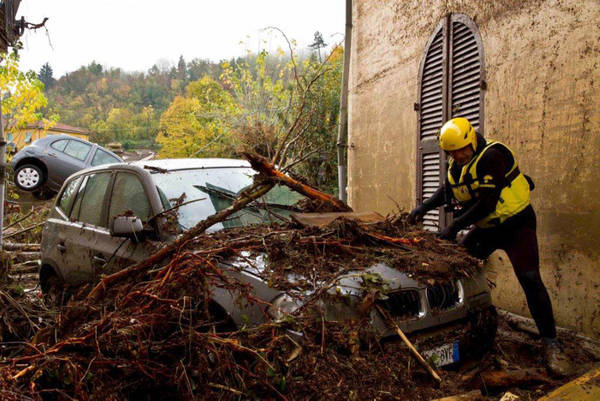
pixel 514 197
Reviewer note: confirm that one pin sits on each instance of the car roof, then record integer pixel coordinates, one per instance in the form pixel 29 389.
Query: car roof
pixel 186 164
pixel 54 137
pixel 171 165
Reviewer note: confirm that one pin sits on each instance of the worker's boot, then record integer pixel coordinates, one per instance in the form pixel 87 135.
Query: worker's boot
pixel 556 361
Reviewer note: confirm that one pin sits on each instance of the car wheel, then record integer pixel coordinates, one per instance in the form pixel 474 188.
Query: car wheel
pixel 54 292
pixel 29 177
pixel 480 334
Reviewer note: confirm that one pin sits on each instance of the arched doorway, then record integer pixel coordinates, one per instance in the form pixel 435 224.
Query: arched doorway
pixel 451 84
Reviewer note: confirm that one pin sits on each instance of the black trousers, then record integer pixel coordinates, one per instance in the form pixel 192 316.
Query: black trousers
pixel 517 237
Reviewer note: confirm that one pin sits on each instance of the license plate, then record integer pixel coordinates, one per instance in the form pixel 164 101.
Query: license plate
pixel 443 355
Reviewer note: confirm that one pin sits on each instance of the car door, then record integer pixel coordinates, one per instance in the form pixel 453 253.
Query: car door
pixel 86 222
pixel 128 195
pixel 71 159
pixel 57 229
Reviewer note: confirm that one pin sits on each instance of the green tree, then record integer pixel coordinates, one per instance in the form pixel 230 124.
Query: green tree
pixel 193 126
pixel 22 95
pixel 289 111
pixel 318 43
pixel 45 75
pixel 88 97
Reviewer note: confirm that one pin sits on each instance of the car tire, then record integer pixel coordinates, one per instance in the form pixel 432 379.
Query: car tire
pixel 480 333
pixel 29 177
pixel 54 291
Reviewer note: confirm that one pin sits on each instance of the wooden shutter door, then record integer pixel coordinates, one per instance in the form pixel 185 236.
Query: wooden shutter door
pixel 451 78
pixel 431 116
pixel 467 79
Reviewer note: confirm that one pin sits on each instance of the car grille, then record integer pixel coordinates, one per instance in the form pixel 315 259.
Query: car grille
pixel 405 303
pixel 443 296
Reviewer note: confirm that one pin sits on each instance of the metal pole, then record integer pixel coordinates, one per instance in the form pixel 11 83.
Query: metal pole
pixel 342 142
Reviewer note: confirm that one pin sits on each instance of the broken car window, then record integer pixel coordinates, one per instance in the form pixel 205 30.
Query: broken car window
pixel 220 186
pixel 275 205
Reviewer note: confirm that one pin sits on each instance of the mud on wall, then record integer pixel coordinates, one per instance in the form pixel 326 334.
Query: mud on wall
pixel 543 99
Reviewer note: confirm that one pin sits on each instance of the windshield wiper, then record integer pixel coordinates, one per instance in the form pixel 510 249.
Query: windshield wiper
pixel 229 195
pixel 220 192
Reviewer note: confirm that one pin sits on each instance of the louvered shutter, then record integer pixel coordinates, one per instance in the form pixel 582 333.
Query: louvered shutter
pixel 466 96
pixel 431 116
pixel 450 82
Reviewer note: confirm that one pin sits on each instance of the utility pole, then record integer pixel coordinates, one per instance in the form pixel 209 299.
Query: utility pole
pixel 342 142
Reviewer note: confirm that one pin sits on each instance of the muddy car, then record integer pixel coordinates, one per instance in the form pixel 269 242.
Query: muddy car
pixel 104 219
pixel 43 166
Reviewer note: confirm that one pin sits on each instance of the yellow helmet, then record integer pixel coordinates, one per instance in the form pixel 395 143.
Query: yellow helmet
pixel 456 134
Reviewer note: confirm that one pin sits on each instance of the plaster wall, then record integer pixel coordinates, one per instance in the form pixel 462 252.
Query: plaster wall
pixel 543 100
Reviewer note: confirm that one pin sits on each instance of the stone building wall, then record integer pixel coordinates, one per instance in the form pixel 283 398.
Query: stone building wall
pixel 542 99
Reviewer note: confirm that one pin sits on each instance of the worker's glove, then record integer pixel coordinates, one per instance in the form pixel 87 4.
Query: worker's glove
pixel 416 215
pixel 448 233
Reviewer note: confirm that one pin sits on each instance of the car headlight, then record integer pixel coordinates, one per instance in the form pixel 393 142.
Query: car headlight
pixel 282 306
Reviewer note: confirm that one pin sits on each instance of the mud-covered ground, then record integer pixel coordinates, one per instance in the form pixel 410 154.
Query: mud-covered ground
pixel 153 335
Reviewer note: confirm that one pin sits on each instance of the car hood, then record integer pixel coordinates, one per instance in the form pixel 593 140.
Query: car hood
pixel 392 286
pixel 352 282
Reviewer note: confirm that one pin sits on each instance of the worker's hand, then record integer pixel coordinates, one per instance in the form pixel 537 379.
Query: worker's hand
pixel 448 233
pixel 416 215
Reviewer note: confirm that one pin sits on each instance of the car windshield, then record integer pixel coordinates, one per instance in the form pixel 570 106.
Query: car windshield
pixel 204 192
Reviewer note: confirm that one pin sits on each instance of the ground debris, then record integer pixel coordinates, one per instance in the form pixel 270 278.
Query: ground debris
pixel 474 395
pixel 152 333
pixel 157 334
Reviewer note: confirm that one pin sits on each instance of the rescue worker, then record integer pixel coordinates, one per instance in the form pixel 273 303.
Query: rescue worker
pixel 491 193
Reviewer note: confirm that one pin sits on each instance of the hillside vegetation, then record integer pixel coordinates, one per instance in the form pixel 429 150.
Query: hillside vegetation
pixel 200 108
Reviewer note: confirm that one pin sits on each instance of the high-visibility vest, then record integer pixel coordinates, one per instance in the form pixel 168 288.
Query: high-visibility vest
pixel 514 196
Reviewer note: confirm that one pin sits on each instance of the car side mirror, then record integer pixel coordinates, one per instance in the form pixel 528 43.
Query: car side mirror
pixel 126 226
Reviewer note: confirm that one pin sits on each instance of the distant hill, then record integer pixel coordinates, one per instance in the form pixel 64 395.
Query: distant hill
pixel 120 106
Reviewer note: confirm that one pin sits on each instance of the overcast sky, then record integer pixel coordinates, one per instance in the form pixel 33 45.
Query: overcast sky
pixel 135 34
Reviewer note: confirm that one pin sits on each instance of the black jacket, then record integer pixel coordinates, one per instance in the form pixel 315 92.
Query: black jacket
pixel 495 162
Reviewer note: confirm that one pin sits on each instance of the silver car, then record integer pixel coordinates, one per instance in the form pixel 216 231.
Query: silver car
pixel 101 216
pixel 43 166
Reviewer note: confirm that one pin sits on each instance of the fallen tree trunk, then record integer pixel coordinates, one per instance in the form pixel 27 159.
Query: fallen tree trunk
pixel 513 378
pixel 25 256
pixel 12 234
pixel 23 268
pixel 258 189
pixel 474 395
pixel 261 165
pixel 10 246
